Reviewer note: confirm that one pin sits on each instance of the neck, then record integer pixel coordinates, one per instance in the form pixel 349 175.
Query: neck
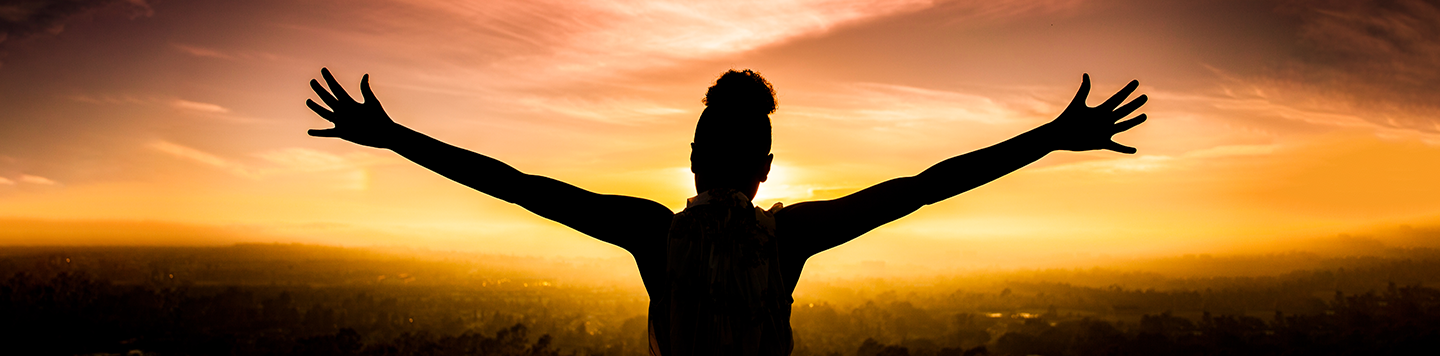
pixel 704 185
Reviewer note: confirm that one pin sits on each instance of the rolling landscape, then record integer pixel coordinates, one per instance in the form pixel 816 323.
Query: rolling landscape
pixel 315 300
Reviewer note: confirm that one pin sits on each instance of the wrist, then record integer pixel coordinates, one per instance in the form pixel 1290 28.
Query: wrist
pixel 399 136
pixel 1046 137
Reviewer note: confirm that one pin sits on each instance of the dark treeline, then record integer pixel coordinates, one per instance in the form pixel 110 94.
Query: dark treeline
pixel 252 264
pixel 305 300
pixel 70 313
pixel 1396 321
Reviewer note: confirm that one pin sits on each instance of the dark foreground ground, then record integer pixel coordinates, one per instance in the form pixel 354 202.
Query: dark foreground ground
pixel 308 300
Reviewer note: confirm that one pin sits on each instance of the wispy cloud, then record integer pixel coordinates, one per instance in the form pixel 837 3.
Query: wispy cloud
pixel 24 18
pixel 210 110
pixel 702 29
pixel 224 53
pixel 1003 9
pixel 33 179
pixel 1258 99
pixel 667 28
pixel 349 169
pixel 570 40
pixel 205 158
pixel 298 159
pixel 201 51
pixel 899 105
pixel 1381 57
pixel 198 106
pixel 28 179
pixel 612 110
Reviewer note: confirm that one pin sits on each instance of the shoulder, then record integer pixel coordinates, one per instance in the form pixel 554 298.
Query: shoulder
pixel 766 218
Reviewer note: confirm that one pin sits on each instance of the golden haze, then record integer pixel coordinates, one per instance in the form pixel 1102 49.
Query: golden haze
pixel 183 123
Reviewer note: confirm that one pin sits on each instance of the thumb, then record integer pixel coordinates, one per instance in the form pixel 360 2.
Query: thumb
pixel 324 132
pixel 1117 147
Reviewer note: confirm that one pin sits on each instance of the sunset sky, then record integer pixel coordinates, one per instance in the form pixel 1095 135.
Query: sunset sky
pixel 183 122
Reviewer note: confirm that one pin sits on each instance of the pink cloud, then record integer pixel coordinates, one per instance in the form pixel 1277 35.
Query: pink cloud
pixel 565 38
pixel 200 51
pixel 198 106
pixel 26 178
pixel 205 158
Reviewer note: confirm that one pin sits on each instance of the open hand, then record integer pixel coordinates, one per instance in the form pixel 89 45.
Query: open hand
pixel 1083 128
pixel 363 123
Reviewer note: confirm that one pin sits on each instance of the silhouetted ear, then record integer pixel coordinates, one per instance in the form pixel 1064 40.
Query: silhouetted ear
pixel 765 171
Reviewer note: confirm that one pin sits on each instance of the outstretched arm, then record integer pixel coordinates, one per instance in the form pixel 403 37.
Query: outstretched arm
pixel 615 219
pixel 821 225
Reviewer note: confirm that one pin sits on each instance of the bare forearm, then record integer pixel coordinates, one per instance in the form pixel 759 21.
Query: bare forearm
pixel 611 218
pixel 965 172
pixel 477 171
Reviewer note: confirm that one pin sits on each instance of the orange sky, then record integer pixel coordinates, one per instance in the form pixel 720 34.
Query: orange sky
pixel 1271 121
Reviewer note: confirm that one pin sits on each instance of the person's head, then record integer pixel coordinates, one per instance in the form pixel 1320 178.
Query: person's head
pixel 732 139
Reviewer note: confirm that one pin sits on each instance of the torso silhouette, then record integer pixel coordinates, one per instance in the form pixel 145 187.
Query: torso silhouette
pixel 727 293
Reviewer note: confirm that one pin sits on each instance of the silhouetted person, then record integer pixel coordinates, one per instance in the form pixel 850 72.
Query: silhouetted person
pixel 720 273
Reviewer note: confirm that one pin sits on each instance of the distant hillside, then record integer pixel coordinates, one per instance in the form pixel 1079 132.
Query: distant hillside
pixel 248 264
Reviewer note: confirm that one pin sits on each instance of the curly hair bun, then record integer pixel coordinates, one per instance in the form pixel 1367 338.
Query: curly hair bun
pixel 743 91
